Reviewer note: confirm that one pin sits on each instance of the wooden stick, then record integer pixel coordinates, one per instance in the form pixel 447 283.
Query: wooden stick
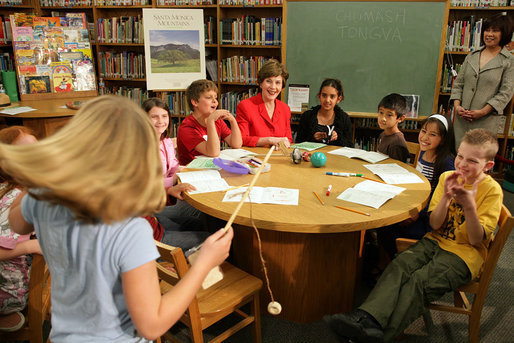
pixel 252 183
pixel 235 187
pixel 352 210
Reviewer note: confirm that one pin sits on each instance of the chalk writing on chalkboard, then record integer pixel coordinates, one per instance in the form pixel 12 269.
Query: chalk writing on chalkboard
pixel 360 25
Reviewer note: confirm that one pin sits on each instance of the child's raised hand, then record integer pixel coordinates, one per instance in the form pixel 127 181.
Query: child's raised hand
pixel 215 249
pixel 463 196
pixel 220 114
pixel 450 182
pixel 176 191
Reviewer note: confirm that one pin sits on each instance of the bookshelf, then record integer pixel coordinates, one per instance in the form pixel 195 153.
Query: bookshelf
pixel 462 36
pixel 7 8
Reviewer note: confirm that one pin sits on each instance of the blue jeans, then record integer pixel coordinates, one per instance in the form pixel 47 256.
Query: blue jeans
pixel 183 225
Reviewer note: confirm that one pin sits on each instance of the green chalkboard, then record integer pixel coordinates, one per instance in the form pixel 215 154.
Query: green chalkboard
pixel 373 47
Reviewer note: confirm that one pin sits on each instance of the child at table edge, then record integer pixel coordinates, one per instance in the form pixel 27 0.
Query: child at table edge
pixel 436 156
pixel 465 209
pixel 391 112
pixel 14 248
pixel 201 132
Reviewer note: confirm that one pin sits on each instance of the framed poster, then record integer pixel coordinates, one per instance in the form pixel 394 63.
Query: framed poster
pixel 174 47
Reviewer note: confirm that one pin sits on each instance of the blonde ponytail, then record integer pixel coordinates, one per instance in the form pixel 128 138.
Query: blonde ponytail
pixel 104 165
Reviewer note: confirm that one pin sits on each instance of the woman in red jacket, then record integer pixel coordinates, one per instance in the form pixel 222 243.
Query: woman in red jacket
pixel 263 119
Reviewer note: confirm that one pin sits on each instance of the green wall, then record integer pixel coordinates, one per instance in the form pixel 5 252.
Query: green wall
pixel 374 48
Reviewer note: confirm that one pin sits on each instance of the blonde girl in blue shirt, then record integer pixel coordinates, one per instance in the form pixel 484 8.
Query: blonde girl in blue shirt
pixel 89 184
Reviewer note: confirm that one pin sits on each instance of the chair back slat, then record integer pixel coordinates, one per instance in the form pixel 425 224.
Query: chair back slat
pixel 505 224
pixel 414 149
pixel 172 271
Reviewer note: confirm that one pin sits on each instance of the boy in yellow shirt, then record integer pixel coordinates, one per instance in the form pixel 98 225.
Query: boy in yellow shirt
pixel 464 210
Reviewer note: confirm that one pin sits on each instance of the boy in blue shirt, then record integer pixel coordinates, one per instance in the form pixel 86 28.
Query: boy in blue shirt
pixel 391 112
pixel 465 209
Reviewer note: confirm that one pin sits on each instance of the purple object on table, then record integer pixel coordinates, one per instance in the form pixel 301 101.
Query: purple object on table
pixel 230 166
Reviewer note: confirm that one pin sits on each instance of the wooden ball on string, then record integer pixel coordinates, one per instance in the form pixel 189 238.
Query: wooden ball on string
pixel 274 308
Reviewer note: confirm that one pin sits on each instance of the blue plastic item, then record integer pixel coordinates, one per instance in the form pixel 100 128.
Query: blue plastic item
pixel 230 166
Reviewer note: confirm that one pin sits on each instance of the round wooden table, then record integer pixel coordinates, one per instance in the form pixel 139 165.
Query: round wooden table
pixel 311 250
pixel 49 116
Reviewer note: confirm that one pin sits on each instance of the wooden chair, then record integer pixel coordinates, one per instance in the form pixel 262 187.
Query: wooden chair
pixel 477 287
pixel 214 303
pixel 38 305
pixel 414 150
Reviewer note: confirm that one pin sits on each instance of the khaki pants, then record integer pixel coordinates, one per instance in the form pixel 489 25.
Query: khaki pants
pixel 416 277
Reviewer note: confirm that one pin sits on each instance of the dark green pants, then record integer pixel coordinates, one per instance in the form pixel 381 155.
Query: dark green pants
pixel 416 277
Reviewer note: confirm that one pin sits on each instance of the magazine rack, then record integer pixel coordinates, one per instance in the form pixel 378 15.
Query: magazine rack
pixel 53 56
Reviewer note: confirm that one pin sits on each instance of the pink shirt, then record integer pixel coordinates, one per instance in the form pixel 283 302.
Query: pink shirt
pixel 254 121
pixel 169 161
pixel 191 133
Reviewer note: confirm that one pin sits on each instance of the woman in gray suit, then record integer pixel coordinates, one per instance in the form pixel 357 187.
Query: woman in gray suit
pixel 485 83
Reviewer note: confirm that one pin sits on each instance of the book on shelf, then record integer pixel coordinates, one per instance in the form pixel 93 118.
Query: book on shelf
pixel 38 84
pixel 241 68
pixel 136 94
pixel 5 27
pixel 6 61
pixel 128 65
pixel 185 2
pixel 212 69
pixel 230 100
pixel 464 35
pixel 122 2
pixel 11 2
pixel 65 3
pixel 124 29
pixel 481 3
pixel 448 76
pixel 249 30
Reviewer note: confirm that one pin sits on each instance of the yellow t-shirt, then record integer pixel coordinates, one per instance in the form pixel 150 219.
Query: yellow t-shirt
pixel 454 237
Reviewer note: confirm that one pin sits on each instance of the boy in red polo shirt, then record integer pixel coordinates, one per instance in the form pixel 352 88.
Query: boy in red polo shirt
pixel 202 131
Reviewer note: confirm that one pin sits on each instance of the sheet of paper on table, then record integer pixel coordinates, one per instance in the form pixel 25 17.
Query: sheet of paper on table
pixel 202 163
pixel 17 110
pixel 235 154
pixel 204 181
pixel 393 174
pixel 370 193
pixel 368 156
pixel 309 146
pixel 264 195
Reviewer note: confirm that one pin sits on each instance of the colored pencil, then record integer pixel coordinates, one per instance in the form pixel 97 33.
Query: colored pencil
pixel 352 210
pixel 368 178
pixel 317 196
